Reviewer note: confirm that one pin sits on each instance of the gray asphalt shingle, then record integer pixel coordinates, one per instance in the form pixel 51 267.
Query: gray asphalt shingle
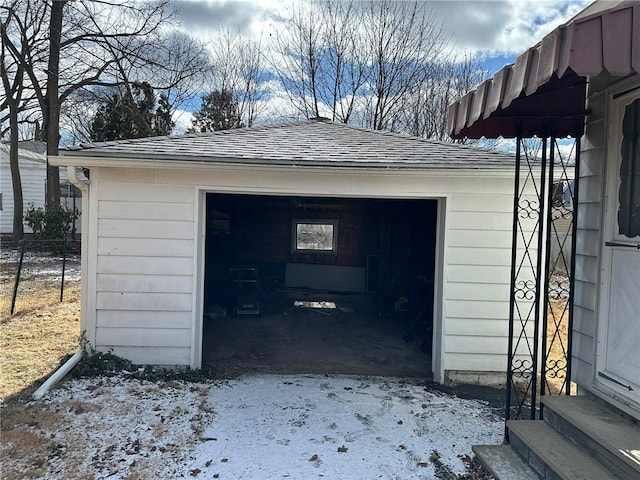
pixel 312 142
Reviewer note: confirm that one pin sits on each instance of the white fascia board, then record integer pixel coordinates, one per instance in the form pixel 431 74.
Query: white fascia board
pixel 226 165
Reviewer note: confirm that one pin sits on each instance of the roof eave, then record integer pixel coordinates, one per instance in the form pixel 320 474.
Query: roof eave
pixel 90 161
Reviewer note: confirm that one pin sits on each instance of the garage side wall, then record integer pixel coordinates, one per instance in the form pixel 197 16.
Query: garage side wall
pixel 146 251
pixel 476 288
pixel 144 270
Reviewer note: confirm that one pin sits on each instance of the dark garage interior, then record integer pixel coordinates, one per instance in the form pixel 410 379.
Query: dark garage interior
pixel 318 285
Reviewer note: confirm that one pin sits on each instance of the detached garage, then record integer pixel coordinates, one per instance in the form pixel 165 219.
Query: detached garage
pixel 308 247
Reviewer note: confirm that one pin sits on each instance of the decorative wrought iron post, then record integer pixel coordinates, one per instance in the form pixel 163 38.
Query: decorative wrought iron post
pixel 542 276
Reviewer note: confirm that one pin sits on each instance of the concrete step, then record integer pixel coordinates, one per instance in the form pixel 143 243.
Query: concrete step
pixel 503 463
pixel 551 455
pixel 611 437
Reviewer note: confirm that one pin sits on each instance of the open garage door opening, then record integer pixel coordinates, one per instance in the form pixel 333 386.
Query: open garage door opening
pixel 318 285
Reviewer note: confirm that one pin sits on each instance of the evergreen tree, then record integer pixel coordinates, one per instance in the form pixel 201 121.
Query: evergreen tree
pixel 162 123
pixel 219 111
pixel 132 115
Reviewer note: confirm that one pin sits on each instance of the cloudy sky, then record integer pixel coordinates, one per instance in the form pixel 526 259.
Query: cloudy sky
pixel 497 30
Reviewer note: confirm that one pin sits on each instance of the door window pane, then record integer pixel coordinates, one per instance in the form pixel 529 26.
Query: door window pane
pixel 629 193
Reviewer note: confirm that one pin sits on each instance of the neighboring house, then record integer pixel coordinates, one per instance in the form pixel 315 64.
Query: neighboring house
pixel 33 175
pixel 582 80
pixel 312 204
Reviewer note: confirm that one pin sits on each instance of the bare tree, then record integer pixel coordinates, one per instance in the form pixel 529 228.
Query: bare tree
pixel 424 109
pixel 80 55
pixel 175 68
pixel 407 43
pixel 344 69
pixel 21 24
pixel 237 67
pixel 299 51
pixel 359 62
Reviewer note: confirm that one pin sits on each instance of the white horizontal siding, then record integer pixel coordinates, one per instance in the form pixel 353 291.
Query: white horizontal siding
pixel 581 371
pixel 143 319
pixel 470 345
pixel 145 283
pixel 139 265
pixel 145 247
pixel 588 239
pixel 472 309
pixel 588 242
pixel 144 268
pixel 496 202
pixel 485 362
pixel 151 229
pixel 148 337
pixel 488 292
pixel 487 274
pixel 477 278
pixel 479 256
pixel 585 295
pixel 480 327
pixel 586 268
pixel 33 177
pixel 144 211
pixel 172 302
pixel 584 322
pixel 464 237
pixel 141 192
pixel 151 355
pixel 480 221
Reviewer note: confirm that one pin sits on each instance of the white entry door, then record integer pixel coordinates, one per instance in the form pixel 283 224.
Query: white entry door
pixel 619 327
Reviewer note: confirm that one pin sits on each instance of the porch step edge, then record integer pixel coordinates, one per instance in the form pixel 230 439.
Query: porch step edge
pixel 612 438
pixel 503 463
pixel 550 453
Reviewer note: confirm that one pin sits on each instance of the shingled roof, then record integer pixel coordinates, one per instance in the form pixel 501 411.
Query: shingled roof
pixel 314 142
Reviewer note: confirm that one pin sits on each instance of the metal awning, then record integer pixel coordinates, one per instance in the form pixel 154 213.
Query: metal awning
pixel 544 91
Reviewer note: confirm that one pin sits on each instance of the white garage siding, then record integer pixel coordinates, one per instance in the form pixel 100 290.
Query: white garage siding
pixel 144 267
pixel 146 273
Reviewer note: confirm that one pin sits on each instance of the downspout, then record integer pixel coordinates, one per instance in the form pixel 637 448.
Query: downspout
pixel 83 186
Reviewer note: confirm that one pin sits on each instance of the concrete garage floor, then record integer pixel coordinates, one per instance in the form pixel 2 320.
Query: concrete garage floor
pixel 350 339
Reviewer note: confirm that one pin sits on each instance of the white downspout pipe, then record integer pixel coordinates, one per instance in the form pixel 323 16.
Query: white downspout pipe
pixel 58 374
pixel 83 186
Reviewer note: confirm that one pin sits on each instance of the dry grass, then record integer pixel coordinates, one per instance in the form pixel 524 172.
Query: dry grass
pixel 39 334
pixel 32 343
pixel 557 345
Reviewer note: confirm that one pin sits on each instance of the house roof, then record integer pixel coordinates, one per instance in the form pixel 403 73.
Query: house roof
pixel 314 143
pixel 28 150
pixel 544 91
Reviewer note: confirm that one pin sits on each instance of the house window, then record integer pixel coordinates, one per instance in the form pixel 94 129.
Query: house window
pixel 629 193
pixel 314 236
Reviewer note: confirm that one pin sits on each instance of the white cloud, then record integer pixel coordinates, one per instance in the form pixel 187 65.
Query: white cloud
pixel 506 27
pixel 486 27
pixel 182 119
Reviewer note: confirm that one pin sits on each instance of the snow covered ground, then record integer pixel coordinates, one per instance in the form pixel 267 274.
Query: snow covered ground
pixel 257 427
pixel 39 265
